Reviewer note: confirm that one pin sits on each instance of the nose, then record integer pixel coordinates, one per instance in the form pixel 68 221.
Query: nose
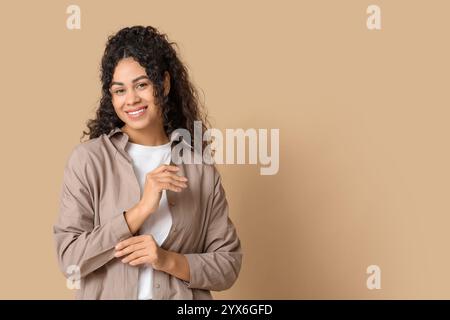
pixel 132 97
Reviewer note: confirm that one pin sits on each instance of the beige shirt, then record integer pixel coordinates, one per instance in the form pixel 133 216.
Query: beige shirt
pixel 99 185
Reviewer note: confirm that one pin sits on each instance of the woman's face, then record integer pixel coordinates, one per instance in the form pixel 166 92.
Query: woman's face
pixel 132 95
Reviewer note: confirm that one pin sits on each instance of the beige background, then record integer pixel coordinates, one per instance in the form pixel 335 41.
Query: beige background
pixel 363 118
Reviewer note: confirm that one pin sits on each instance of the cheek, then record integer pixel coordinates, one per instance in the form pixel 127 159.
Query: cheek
pixel 147 96
pixel 117 103
pixel 118 108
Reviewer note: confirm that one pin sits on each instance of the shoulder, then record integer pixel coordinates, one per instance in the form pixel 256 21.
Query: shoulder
pixel 86 153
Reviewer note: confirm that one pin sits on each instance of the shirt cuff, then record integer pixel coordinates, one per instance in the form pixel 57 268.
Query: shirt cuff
pixel 120 227
pixel 194 266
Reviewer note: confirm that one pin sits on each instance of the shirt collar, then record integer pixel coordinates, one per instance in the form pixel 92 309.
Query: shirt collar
pixel 122 137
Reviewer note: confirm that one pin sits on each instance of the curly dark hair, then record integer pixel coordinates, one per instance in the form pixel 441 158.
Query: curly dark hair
pixel 153 51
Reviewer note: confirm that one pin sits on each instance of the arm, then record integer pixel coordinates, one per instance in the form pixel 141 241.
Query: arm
pixel 143 249
pixel 215 269
pixel 218 267
pixel 77 241
pixel 175 264
pixel 135 217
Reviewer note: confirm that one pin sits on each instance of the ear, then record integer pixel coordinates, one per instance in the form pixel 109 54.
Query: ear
pixel 166 83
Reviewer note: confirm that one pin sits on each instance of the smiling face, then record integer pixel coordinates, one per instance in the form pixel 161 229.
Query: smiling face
pixel 132 96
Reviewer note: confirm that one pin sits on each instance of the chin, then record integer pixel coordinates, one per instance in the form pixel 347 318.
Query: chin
pixel 138 126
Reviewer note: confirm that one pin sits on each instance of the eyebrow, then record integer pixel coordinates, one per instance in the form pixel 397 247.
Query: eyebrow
pixel 121 83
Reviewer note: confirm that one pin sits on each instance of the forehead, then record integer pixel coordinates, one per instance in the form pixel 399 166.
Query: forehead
pixel 128 69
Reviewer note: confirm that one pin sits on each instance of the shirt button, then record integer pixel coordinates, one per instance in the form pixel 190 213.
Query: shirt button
pixel 157 285
pixel 174 230
pixel 171 203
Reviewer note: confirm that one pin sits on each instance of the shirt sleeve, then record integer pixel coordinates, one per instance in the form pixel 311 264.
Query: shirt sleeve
pixel 218 267
pixel 78 242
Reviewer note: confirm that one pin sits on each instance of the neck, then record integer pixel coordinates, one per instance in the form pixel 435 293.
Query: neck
pixel 149 136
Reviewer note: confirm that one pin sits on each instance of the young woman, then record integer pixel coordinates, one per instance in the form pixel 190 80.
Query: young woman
pixel 133 224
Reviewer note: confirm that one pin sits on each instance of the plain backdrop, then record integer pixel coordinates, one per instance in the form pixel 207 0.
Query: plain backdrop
pixel 363 117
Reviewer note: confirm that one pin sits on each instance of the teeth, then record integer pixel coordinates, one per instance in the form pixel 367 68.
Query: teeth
pixel 137 112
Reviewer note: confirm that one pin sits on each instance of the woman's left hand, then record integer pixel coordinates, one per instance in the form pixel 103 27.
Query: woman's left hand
pixel 141 250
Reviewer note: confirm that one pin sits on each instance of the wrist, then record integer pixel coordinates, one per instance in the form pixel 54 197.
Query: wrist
pixel 165 261
pixel 143 210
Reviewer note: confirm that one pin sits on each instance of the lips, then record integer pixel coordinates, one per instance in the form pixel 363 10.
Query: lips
pixel 137 113
pixel 137 109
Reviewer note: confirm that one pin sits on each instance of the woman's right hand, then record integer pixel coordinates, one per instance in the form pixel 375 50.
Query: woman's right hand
pixel 162 178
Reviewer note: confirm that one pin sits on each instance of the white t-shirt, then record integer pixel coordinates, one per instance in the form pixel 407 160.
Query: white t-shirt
pixel 158 224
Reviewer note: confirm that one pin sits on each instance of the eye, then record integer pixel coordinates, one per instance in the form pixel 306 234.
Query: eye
pixel 118 91
pixel 142 85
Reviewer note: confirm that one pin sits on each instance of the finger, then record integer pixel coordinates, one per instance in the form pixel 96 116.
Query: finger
pixel 166 167
pixel 129 249
pixel 135 255
pixel 168 186
pixel 150 237
pixel 172 175
pixel 172 181
pixel 129 241
pixel 139 261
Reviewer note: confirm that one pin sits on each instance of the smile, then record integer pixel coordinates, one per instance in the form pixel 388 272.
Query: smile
pixel 136 113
